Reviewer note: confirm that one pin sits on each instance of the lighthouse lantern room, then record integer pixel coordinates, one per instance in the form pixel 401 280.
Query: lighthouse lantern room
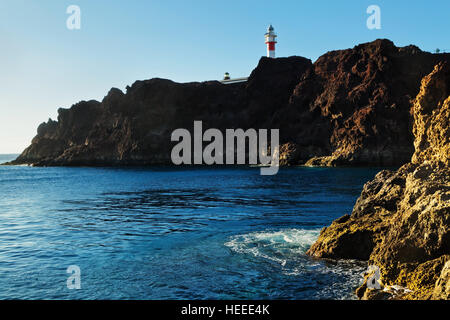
pixel 270 41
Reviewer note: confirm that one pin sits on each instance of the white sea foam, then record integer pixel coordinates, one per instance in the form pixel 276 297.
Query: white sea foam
pixel 277 246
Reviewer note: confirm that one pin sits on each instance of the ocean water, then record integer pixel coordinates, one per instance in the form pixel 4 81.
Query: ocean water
pixel 173 233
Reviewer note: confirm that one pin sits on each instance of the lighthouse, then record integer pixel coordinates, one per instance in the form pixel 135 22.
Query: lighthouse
pixel 270 42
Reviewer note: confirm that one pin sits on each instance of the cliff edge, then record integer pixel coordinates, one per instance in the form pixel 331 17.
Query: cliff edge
pixel 350 107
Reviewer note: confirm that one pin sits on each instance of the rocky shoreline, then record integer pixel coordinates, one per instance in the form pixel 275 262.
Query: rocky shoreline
pixel 401 221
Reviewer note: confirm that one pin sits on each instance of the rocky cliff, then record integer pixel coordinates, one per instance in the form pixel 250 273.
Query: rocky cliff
pixel 134 128
pixel 351 107
pixel 401 221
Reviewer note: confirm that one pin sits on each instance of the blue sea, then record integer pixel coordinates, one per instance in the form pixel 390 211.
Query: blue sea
pixel 173 233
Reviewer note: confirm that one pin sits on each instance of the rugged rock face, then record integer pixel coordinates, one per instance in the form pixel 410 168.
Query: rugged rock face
pixel 401 222
pixel 442 287
pixel 357 104
pixel 351 107
pixel 135 128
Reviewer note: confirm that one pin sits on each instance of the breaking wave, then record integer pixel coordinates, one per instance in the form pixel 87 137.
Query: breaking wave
pixel 286 251
pixel 276 246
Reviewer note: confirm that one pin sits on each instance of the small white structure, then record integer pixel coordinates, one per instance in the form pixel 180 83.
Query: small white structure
pixel 270 37
pixel 228 80
pixel 235 80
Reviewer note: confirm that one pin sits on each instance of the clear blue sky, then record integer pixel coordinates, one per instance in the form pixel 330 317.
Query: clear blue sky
pixel 45 66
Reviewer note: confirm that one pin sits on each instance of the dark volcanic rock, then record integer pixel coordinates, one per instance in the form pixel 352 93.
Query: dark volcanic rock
pixel 351 107
pixel 134 128
pixel 361 99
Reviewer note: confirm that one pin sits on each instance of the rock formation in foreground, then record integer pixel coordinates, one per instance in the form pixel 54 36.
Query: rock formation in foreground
pixel 401 222
pixel 351 107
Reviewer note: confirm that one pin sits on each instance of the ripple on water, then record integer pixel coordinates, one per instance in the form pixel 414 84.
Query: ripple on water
pixel 173 233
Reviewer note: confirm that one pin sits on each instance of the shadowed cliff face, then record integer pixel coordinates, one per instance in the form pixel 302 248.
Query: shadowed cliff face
pixel 351 107
pixel 401 222
pixel 135 128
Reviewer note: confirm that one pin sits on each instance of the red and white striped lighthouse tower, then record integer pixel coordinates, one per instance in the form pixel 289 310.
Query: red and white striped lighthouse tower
pixel 270 42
